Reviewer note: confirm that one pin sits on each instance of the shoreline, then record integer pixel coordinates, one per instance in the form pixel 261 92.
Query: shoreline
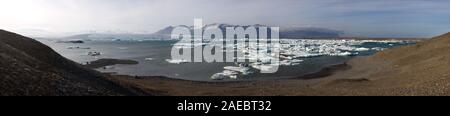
pixel 326 71
pixel 108 62
pixel 164 86
pixel 322 73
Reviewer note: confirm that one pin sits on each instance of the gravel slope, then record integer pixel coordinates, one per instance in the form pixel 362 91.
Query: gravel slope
pixel 29 68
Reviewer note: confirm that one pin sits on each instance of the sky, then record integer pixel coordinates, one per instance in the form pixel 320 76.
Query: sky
pixel 366 18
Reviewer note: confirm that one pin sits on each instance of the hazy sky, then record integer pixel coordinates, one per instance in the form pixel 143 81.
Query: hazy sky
pixel 373 18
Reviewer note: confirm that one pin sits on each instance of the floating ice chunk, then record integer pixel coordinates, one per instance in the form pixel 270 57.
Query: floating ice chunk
pixel 312 48
pixel 296 61
pixel 264 67
pixel 241 69
pixel 149 59
pixel 233 76
pixel 286 57
pixel 177 61
pixel 219 76
pixel 361 49
pixel 378 49
pixel 285 63
pixel 110 67
pixel 267 68
pixel 234 68
pixel 288 62
pixel 94 53
pixel 341 54
pixel 230 72
pixel 225 74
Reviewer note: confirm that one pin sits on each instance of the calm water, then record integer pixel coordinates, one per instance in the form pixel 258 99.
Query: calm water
pixel 156 53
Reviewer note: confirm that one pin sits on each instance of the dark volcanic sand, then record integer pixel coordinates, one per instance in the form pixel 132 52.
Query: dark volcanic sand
pixel 162 86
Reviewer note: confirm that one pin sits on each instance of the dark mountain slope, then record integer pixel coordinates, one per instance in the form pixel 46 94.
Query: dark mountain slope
pixel 420 69
pixel 28 67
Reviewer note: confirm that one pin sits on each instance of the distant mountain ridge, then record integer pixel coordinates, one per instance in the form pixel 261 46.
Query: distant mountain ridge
pixel 114 37
pixel 289 33
pixel 309 32
pixel 165 33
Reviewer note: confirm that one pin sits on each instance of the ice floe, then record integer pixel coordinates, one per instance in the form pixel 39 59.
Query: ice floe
pixel 177 61
pixel 293 51
pixel 303 48
pixel 241 69
pixel 226 74
pixel 232 72
pixel 94 54
pixel 149 59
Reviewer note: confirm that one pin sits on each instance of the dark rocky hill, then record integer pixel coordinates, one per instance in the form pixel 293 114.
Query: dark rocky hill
pixel 30 68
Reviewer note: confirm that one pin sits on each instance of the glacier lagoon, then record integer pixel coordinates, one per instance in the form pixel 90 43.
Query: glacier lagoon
pixel 298 57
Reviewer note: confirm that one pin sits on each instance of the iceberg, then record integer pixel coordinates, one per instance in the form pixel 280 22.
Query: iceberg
pixel 177 61
pixel 266 68
pixel 218 76
pixel 301 48
pixel 361 49
pixel 225 75
pixel 149 59
pixel 296 61
pixel 378 49
pixel 342 54
pixel 242 68
pixel 94 53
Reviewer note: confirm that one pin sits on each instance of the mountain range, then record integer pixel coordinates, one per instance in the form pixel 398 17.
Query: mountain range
pixel 164 34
